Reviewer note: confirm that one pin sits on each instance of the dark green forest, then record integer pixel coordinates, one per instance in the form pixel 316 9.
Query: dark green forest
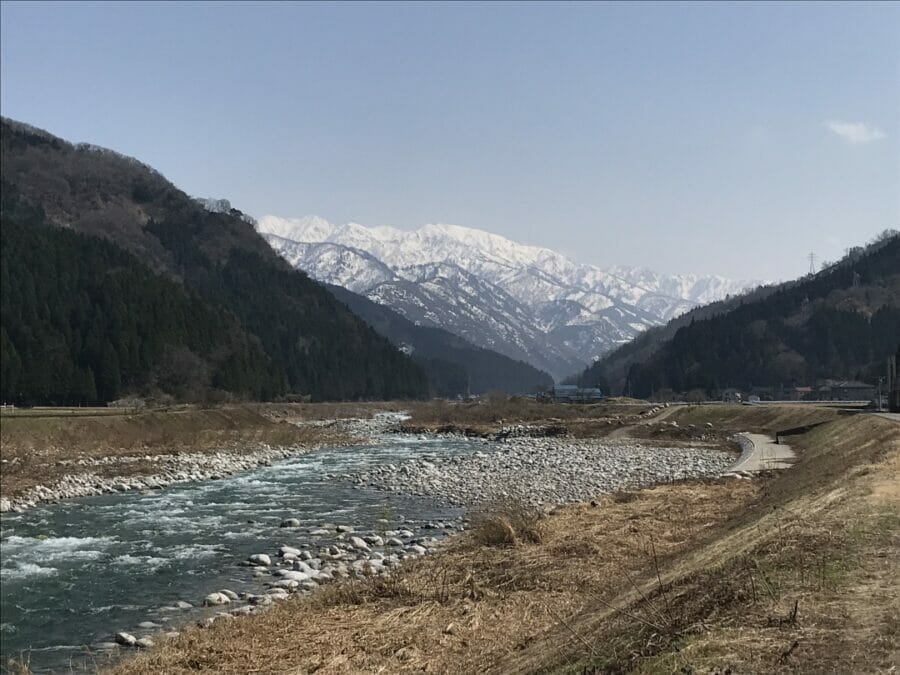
pixel 840 323
pixel 116 282
pixel 83 321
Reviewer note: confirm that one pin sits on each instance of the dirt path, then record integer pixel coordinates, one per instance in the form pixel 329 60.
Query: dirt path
pixel 762 453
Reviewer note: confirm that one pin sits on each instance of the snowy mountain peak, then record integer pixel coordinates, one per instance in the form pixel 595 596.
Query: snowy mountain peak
pixel 528 302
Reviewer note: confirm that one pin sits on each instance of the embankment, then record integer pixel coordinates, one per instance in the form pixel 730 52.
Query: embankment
pixel 796 571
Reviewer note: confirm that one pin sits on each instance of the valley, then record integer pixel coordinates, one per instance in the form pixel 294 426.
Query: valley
pixel 526 302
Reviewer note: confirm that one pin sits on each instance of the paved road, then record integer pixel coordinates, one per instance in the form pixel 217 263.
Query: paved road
pixel 761 453
pixel 894 417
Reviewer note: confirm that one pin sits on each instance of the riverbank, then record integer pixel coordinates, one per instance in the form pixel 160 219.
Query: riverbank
pixel 795 571
pixel 48 455
pixel 52 454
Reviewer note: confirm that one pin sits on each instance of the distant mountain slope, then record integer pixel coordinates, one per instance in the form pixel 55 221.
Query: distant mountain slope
pixel 840 323
pixel 314 343
pixel 453 365
pixel 526 302
pixel 84 321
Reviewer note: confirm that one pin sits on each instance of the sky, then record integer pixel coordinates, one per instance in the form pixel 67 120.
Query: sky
pixel 718 138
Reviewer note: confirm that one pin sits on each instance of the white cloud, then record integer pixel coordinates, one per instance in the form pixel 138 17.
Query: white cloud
pixel 855 132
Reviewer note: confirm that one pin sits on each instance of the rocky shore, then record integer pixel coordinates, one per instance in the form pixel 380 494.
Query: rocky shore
pixel 527 465
pixel 544 471
pixel 320 555
pixel 91 476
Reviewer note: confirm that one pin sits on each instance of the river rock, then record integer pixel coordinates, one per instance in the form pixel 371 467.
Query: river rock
pixel 216 599
pixel 231 594
pixel 260 559
pixel 143 643
pixel 359 544
pixel 293 575
pixel 290 550
pixel 126 639
pixel 290 522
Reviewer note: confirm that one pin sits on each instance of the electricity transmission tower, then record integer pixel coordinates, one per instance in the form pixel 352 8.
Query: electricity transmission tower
pixel 812 262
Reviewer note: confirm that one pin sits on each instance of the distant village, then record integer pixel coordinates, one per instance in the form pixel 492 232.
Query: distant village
pixel 881 395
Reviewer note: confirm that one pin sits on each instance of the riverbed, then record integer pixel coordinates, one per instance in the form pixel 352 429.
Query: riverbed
pixel 76 573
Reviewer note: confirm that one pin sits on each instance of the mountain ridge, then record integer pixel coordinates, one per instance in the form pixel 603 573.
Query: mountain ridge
pixel 840 322
pixel 284 323
pixel 557 314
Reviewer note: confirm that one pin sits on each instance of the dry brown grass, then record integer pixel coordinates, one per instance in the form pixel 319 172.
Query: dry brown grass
pixel 794 573
pixel 508 523
pixel 34 443
pixel 610 419
pixel 467 608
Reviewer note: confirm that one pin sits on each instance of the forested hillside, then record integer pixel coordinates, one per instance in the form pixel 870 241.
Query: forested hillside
pixel 453 365
pixel 840 323
pixel 262 329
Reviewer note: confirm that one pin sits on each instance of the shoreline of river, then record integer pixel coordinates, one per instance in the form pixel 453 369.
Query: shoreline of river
pixel 180 468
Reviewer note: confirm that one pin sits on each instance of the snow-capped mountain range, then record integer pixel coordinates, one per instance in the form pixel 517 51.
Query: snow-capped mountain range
pixel 527 302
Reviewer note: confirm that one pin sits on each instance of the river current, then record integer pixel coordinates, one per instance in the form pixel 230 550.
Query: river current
pixel 75 573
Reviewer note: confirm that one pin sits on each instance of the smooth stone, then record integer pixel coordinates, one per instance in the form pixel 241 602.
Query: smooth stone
pixel 290 522
pixel 289 550
pixel 216 599
pixel 260 559
pixel 126 639
pixel 144 643
pixel 359 544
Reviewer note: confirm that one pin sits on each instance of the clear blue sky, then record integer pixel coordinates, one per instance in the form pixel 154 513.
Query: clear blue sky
pixel 711 138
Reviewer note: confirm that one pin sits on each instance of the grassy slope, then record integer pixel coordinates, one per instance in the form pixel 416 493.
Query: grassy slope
pixel 701 576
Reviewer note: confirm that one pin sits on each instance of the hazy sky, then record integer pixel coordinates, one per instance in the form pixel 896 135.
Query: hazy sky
pixel 711 138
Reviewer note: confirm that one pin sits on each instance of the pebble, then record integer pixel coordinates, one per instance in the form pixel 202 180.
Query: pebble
pixel 542 471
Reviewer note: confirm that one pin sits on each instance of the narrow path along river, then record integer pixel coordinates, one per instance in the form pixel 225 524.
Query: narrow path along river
pixel 76 573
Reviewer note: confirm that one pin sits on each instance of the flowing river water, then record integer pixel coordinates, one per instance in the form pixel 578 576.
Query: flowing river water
pixel 75 573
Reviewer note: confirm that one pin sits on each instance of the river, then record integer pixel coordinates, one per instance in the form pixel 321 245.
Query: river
pixel 75 573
